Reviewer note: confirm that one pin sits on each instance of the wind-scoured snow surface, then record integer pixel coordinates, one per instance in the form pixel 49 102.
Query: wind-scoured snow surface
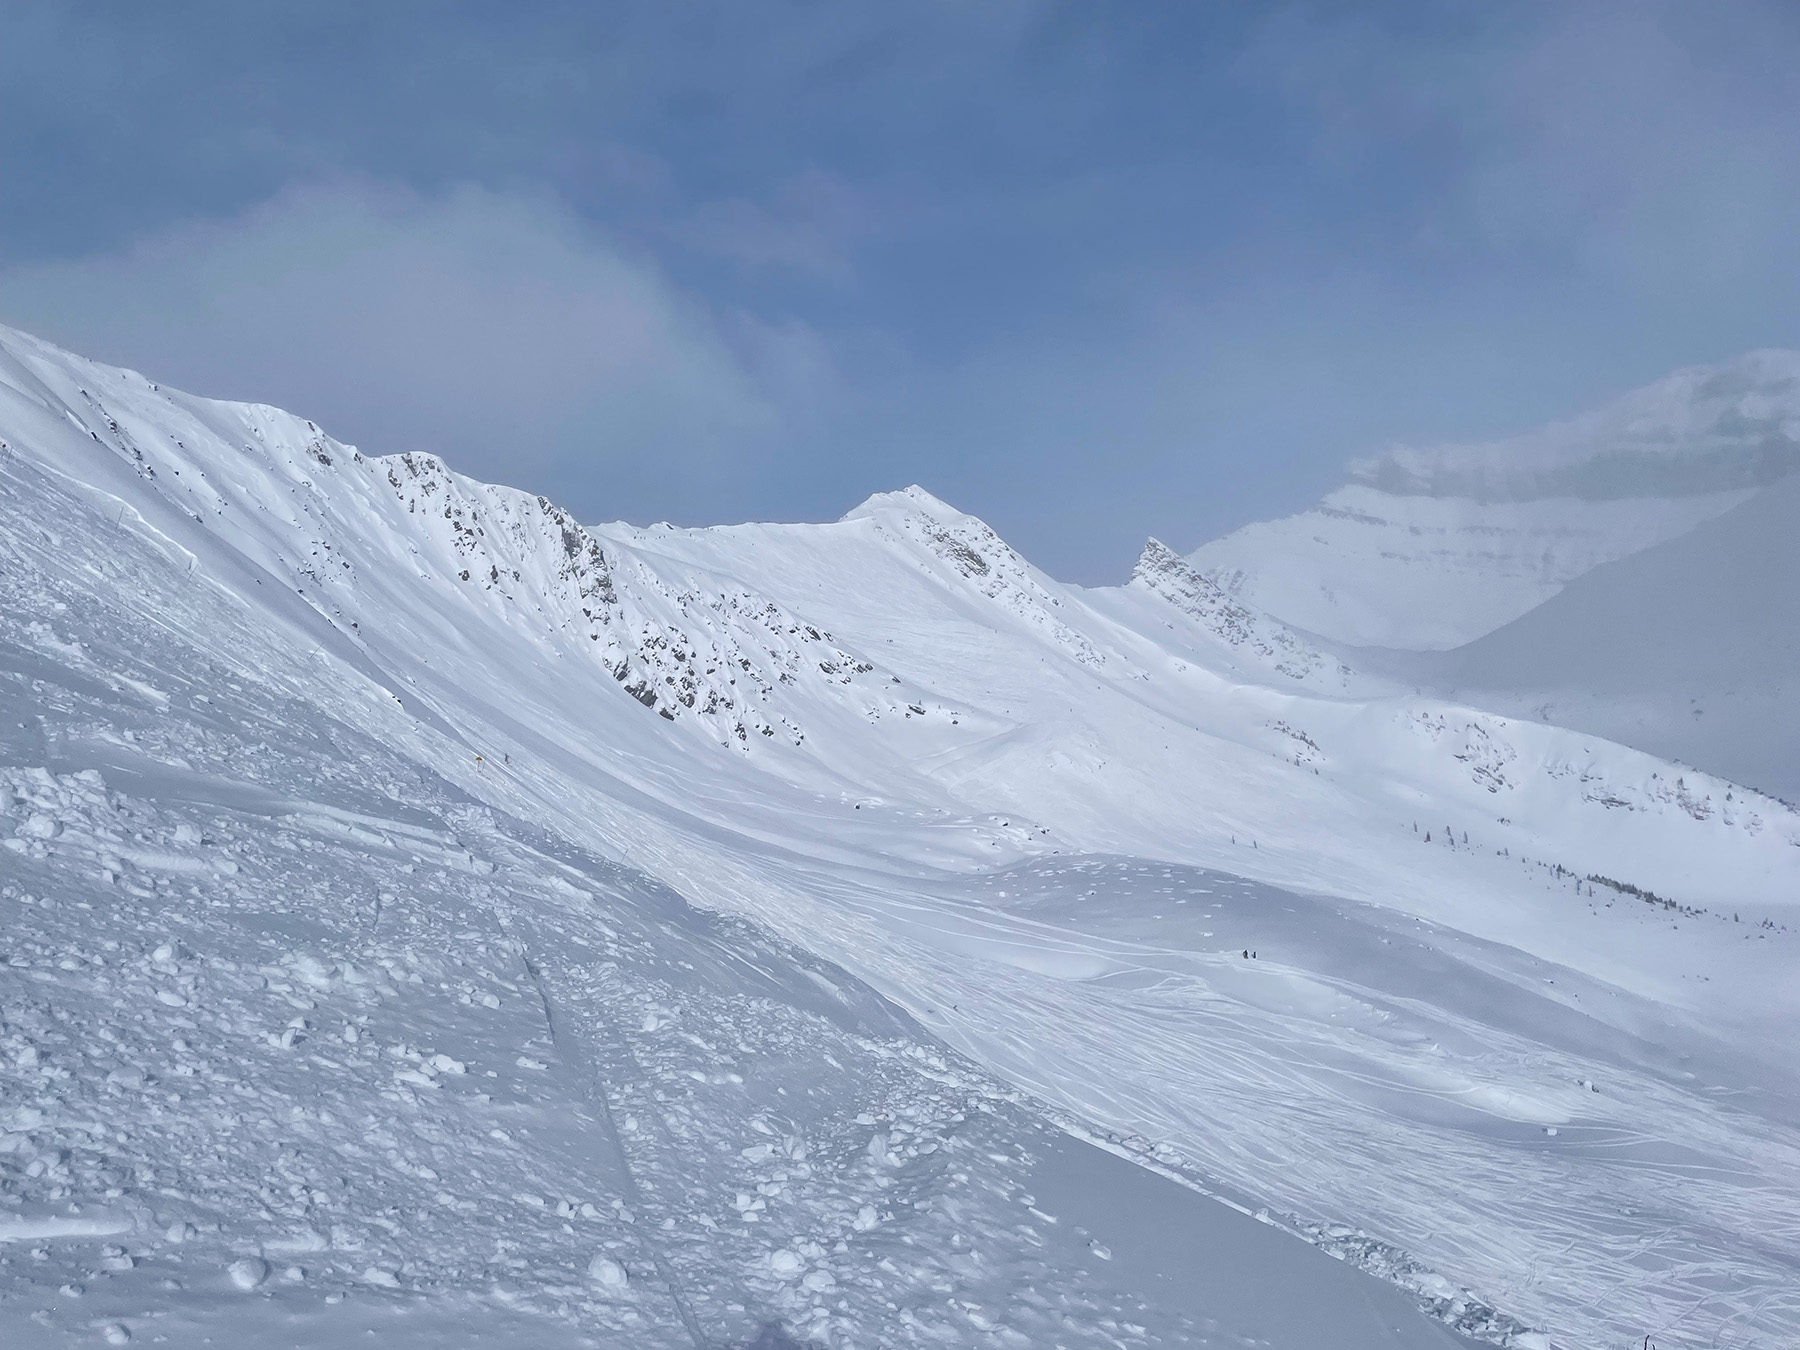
pixel 428 916
pixel 1429 549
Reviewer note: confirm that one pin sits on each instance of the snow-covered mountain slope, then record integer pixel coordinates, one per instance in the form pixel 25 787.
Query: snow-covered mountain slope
pixel 1690 649
pixel 868 832
pixel 306 1042
pixel 1430 549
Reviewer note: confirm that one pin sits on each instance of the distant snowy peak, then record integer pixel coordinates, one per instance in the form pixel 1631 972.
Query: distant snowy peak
pixel 1371 569
pixel 1428 549
pixel 1253 635
pixel 1690 650
pixel 1702 430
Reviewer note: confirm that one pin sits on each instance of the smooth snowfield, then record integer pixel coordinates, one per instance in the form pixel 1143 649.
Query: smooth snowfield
pixel 826 883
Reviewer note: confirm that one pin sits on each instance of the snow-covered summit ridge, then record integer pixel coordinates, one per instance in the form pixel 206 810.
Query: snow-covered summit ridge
pixel 902 500
pixel 344 529
pixel 1701 430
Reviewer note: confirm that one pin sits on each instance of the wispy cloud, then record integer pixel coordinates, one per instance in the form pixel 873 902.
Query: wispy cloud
pixel 495 329
pixel 1089 271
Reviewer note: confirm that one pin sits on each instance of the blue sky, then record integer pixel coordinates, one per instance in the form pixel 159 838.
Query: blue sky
pixel 1089 271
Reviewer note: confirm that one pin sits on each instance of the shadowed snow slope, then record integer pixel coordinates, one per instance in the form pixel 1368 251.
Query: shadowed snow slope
pixel 1690 649
pixel 426 912
pixel 1430 549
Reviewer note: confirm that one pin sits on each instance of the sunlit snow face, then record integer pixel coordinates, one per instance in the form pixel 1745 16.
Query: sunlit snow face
pixel 394 913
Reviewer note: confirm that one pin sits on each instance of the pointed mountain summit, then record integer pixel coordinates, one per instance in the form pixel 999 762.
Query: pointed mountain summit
pixel 912 498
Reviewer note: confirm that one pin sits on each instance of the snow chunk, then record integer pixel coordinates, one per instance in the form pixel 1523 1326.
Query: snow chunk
pixel 303 1240
pixel 310 970
pixel 248 1272
pixel 785 1263
pixel 607 1273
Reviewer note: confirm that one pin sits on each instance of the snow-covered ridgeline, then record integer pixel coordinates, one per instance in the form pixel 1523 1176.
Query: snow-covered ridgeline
pixel 713 628
pixel 1002 720
pixel 352 533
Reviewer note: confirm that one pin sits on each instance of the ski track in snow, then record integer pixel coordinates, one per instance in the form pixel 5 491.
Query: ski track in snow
pixel 651 1034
